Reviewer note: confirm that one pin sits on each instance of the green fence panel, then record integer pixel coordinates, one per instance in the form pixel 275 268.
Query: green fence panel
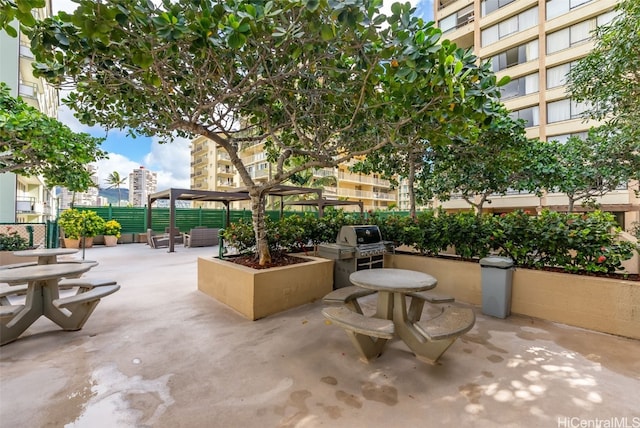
pixel 133 219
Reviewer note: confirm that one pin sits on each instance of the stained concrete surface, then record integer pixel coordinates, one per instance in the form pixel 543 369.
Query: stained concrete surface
pixel 158 353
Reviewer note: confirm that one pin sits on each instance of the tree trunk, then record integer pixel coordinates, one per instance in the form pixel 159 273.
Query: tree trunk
pixel 412 192
pixel 572 202
pixel 259 226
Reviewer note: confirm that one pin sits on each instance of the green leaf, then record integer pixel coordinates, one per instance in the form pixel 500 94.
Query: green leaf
pixel 327 31
pixel 504 80
pixel 236 40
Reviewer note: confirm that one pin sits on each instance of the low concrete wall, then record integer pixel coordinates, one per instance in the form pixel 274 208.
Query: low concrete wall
pixel 7 258
pixel 600 304
pixel 258 293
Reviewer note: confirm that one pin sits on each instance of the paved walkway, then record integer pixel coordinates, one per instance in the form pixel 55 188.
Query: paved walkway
pixel 158 353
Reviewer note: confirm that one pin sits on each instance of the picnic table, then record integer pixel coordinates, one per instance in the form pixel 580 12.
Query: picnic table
pixel 43 298
pixel 46 255
pixel 428 340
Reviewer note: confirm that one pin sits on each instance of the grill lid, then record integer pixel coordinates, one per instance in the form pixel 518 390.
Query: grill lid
pixel 359 235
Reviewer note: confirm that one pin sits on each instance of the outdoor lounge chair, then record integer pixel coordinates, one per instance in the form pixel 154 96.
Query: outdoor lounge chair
pixel 201 237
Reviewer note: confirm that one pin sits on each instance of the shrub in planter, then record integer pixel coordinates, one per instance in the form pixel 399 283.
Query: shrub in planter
pixel 12 241
pixel 77 223
pixel 112 227
pixel 70 222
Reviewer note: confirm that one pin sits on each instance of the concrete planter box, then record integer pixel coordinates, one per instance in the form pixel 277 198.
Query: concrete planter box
pixel 7 258
pixel 256 293
pixel 600 304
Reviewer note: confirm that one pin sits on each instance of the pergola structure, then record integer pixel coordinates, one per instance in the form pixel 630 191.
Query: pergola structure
pixel 191 195
pixel 226 198
pixel 321 203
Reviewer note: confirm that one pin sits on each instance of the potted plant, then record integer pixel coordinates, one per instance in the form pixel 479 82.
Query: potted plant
pixel 111 233
pixel 80 224
pixel 91 224
pixel 70 222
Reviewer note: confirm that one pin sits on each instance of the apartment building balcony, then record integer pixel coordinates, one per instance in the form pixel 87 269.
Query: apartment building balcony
pixel 361 178
pixel 225 170
pixel 258 157
pixel 617 200
pixel 359 194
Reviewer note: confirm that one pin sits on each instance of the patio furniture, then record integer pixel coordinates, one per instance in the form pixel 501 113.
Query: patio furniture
pixel 347 296
pixel 159 240
pixel 201 237
pixel 43 298
pixel 428 340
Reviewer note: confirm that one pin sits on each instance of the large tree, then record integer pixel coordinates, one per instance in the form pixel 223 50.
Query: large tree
pixel 585 168
pixel 494 163
pixel 31 143
pixel 608 78
pixel 308 78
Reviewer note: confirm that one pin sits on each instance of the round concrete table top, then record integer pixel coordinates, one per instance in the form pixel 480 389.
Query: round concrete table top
pixel 393 280
pixel 45 252
pixel 24 274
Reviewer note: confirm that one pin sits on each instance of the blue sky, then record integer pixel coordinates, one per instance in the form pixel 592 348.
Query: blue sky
pixel 170 161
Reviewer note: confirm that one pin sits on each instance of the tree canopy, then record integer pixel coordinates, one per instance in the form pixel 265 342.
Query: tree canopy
pixel 608 78
pixel 585 167
pixel 19 10
pixel 31 143
pixel 492 164
pixel 320 81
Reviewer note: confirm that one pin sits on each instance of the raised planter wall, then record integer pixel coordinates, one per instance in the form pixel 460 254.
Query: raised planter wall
pixel 7 258
pixel 257 293
pixel 600 304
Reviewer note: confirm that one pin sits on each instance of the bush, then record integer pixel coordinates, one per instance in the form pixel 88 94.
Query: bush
pixel 12 241
pixel 575 242
pixel 80 223
pixel 112 227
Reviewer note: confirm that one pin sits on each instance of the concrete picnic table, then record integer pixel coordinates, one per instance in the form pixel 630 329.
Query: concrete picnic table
pixel 45 255
pixel 427 340
pixel 43 299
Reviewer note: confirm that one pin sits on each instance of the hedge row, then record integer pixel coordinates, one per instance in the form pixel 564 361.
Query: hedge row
pixel 575 242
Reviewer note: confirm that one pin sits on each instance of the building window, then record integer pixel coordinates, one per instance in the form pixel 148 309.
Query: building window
pixel 566 109
pixel 457 20
pixel 514 56
pixel 488 6
pixel 570 36
pixel 560 7
pixel 562 138
pixel 509 26
pixel 557 76
pixel 530 115
pixel 523 86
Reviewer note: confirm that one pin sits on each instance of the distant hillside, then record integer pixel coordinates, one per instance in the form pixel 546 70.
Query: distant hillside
pixel 112 195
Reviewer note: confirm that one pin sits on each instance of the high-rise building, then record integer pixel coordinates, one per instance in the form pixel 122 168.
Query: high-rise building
pixel 535 42
pixel 142 183
pixel 25 199
pixel 88 198
pixel 211 169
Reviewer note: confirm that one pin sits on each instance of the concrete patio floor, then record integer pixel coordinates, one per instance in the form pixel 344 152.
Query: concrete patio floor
pixel 158 353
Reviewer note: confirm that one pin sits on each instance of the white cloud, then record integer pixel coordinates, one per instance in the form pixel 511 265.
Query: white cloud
pixel 172 162
pixel 116 162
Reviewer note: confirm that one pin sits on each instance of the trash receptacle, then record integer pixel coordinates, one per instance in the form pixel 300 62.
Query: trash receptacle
pixel 497 274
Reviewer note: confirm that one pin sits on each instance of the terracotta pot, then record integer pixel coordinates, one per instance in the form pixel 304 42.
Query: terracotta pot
pixel 88 241
pixel 71 243
pixel 110 240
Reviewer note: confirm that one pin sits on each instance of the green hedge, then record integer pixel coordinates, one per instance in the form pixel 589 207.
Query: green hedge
pixel 575 242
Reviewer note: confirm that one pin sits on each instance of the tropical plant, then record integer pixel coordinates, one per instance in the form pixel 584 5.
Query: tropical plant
pixel 114 181
pixel 31 143
pixel 320 81
pixel 112 227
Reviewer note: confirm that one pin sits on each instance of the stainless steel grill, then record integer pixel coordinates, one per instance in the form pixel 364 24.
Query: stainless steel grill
pixel 356 248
